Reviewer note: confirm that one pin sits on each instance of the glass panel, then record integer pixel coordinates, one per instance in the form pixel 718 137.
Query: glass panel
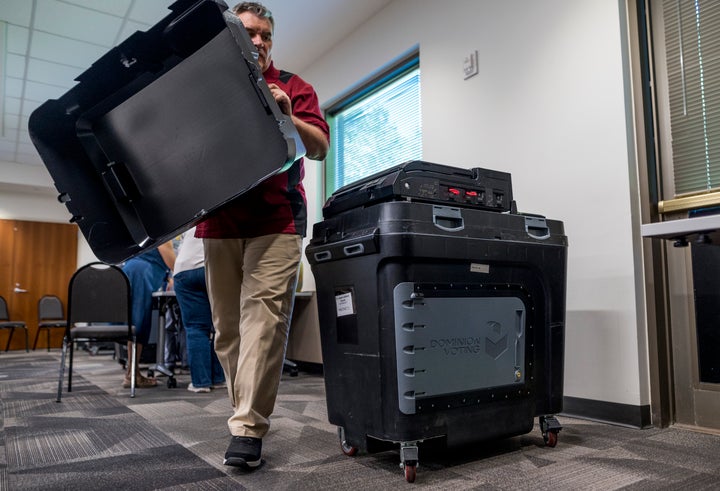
pixel 706 289
pixel 692 43
pixel 378 131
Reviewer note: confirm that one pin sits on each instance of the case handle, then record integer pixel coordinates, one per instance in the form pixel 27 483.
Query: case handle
pixel 536 227
pixel 449 219
pixel 323 256
pixel 354 249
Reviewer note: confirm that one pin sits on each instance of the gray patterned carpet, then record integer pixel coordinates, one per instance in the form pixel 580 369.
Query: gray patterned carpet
pixel 100 438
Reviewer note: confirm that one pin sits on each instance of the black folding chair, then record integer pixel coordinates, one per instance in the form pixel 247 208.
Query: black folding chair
pixel 50 316
pixel 6 323
pixel 99 309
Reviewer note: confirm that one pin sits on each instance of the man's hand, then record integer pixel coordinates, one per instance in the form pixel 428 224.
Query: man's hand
pixel 281 98
pixel 316 145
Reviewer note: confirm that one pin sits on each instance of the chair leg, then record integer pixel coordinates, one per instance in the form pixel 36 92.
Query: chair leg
pixel 27 345
pixel 71 348
pixel 12 331
pixel 48 339
pixel 62 370
pixel 133 373
pixel 37 335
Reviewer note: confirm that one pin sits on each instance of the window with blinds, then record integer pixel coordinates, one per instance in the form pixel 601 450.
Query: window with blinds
pixel 692 48
pixel 376 127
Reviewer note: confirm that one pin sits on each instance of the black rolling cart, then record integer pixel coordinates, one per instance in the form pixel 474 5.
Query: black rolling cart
pixel 442 311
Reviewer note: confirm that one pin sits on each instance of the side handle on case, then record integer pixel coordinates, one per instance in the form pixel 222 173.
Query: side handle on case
pixel 449 219
pixel 354 249
pixel 323 256
pixel 536 227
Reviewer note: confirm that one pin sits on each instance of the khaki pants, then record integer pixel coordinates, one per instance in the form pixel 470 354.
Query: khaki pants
pixel 251 285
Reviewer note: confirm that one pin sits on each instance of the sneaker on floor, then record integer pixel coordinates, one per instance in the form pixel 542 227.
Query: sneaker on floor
pixel 244 451
pixel 221 385
pixel 140 382
pixel 192 388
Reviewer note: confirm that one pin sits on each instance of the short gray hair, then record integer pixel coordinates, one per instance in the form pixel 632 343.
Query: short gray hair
pixel 256 8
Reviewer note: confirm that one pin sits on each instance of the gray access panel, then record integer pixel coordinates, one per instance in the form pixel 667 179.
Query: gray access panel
pixel 448 345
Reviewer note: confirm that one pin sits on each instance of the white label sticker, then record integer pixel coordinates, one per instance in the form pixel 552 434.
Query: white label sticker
pixel 344 304
pixel 479 268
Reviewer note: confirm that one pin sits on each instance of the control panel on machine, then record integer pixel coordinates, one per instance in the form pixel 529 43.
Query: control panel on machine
pixel 428 182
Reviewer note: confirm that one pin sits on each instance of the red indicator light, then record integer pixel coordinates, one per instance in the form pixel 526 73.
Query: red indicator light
pixel 454 191
pixel 471 193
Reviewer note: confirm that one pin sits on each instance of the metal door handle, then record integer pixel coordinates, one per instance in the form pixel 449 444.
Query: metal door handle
pixel 17 289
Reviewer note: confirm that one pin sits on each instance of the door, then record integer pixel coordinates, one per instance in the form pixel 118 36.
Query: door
pixel 679 167
pixel 36 259
pixel 694 299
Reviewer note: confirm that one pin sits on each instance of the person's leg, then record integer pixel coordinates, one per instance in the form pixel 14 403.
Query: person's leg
pixel 218 374
pixel 141 311
pixel 224 274
pixel 270 274
pixel 145 277
pixel 140 380
pixel 251 321
pixel 197 319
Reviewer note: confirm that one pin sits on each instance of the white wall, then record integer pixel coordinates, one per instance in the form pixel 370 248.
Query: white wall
pixel 548 106
pixel 32 206
pixel 31 197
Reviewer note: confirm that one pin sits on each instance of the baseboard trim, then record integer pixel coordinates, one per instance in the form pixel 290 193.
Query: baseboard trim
pixel 607 412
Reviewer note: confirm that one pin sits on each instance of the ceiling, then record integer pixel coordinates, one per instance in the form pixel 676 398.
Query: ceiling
pixel 45 44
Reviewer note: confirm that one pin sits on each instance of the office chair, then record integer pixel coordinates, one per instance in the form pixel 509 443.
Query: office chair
pixel 99 309
pixel 50 316
pixel 6 323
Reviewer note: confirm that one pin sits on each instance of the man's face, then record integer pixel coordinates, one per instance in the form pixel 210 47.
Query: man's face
pixel 260 31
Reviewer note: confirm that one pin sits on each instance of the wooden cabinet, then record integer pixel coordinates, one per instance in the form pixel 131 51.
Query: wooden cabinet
pixel 36 259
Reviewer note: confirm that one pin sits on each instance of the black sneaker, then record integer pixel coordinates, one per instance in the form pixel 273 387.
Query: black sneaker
pixel 243 451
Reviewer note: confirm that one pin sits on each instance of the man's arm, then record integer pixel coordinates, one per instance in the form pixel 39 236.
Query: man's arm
pixel 168 254
pixel 316 144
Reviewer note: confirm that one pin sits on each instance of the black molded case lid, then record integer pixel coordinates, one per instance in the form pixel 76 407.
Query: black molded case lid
pixel 161 130
pixel 417 180
pixel 405 229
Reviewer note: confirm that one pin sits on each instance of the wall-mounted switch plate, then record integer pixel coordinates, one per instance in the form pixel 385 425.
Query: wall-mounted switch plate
pixel 470 65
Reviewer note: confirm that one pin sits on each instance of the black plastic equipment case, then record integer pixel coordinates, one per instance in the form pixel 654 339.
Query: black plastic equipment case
pixel 478 188
pixel 439 322
pixel 164 128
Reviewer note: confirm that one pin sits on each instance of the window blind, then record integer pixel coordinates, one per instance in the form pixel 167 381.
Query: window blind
pixel 692 41
pixel 377 130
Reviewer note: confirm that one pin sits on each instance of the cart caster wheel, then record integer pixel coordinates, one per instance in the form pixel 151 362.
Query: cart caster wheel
pixel 550 438
pixel 348 449
pixel 150 373
pixel 410 472
pixel 171 383
pixel 549 427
